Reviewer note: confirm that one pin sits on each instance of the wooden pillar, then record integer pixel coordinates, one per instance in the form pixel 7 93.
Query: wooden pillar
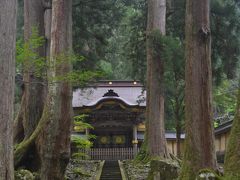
pixel 135 141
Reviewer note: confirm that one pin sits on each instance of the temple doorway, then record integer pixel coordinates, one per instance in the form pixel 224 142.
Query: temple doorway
pixel 113 137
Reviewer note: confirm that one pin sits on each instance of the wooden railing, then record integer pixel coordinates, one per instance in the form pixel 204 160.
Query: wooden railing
pixel 110 153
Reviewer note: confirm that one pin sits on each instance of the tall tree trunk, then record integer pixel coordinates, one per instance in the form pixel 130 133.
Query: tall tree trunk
pixel 155 70
pixel 199 144
pixel 232 158
pixel 29 145
pixel 55 137
pixel 8 9
pixel 34 91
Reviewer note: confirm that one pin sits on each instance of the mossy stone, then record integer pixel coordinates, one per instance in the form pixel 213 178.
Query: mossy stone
pixel 24 174
pixel 164 169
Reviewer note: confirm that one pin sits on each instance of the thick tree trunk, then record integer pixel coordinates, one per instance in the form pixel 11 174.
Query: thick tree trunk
pixel 29 146
pixel 8 10
pixel 55 137
pixel 232 158
pixel 34 90
pixel 199 144
pixel 34 93
pixel 155 69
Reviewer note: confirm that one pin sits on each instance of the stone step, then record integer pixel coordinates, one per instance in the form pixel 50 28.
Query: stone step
pixel 111 171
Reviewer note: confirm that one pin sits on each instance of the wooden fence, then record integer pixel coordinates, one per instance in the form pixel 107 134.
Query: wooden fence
pixel 110 153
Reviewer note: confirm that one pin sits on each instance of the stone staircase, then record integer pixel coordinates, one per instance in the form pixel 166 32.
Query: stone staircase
pixel 111 171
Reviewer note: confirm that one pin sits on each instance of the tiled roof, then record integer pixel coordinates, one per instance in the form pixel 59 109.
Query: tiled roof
pixel 130 92
pixel 224 127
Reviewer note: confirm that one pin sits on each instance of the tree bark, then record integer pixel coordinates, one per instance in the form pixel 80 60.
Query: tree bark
pixel 8 9
pixel 27 151
pixel 55 137
pixel 155 87
pixel 178 126
pixel 34 90
pixel 47 26
pixel 232 157
pixel 199 144
pixel 34 93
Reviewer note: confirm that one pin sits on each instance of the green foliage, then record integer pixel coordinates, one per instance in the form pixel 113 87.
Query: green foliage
pixel 160 44
pixel 175 23
pixel 110 42
pixel 80 172
pixel 81 142
pixel 171 51
pixel 225 48
pixel 224 97
pixel 29 60
pixel 135 46
pixel 225 30
pixel 93 24
pixel 127 46
pixel 80 78
pixel 113 32
pixel 80 155
pixel 27 56
pixel 167 47
pixel 80 121
pixel 107 68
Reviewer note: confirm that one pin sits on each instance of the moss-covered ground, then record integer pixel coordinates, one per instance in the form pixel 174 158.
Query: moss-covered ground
pixel 82 169
pixel 136 170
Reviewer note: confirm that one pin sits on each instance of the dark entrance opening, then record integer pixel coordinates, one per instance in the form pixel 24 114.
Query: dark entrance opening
pixel 113 137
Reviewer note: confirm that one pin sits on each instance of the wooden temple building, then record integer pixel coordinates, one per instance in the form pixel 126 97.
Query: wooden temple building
pixel 116 110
